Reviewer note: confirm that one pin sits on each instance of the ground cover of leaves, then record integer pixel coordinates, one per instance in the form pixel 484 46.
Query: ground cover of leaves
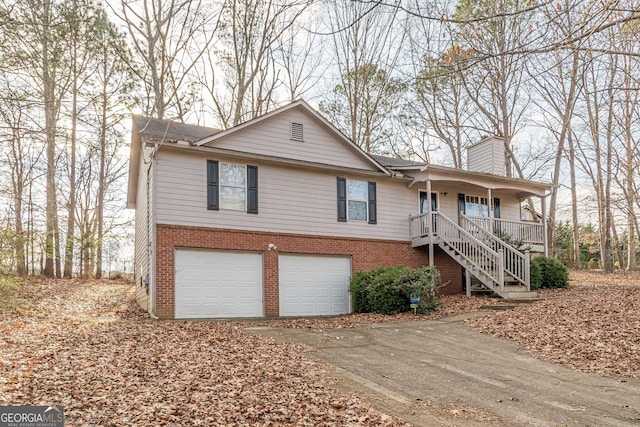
pixel 87 347
pixel 593 326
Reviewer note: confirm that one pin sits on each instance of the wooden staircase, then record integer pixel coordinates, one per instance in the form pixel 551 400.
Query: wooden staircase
pixel 495 265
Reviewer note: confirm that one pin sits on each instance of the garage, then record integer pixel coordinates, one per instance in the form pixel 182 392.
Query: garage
pixel 217 284
pixel 312 285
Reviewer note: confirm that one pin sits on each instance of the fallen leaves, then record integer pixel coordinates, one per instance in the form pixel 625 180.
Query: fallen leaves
pixel 592 326
pixel 87 347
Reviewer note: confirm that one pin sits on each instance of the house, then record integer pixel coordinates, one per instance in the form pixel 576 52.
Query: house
pixel 272 217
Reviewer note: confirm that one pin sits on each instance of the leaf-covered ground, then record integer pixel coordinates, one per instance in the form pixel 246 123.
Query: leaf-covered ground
pixel 86 346
pixel 594 326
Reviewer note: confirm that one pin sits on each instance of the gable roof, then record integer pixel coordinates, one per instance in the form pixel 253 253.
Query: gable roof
pixel 310 111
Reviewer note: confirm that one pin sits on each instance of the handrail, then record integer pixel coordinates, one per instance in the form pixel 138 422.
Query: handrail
pixel 470 248
pixel 515 262
pixel 524 231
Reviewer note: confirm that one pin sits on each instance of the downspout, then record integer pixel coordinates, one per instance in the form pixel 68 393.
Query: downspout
pixel 545 238
pixel 149 279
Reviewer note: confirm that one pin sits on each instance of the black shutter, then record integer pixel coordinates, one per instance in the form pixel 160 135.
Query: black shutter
pixel 461 204
pixel 496 207
pixel 212 186
pixel 342 200
pixel 373 214
pixel 252 189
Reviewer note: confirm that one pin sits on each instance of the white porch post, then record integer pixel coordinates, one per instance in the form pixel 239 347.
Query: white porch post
pixel 490 208
pixel 545 242
pixel 430 223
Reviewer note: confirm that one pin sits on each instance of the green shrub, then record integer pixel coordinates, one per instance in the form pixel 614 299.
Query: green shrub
pixel 358 289
pixel 552 273
pixel 535 274
pixel 387 290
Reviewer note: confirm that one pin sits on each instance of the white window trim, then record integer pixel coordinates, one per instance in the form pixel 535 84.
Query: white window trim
pixel 221 185
pixel 481 201
pixel 366 200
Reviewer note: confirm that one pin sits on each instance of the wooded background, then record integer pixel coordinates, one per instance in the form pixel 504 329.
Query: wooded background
pixel 558 80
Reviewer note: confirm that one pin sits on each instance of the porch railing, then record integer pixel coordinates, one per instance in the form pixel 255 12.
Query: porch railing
pixel 530 233
pixel 419 225
pixel 515 263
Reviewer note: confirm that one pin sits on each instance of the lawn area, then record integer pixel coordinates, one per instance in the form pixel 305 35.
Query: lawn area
pixel 593 326
pixel 88 347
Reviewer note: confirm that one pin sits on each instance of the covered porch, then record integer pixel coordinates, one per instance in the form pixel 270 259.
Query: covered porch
pixel 477 201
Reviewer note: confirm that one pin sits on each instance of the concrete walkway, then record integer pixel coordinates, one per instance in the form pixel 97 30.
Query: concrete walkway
pixel 443 373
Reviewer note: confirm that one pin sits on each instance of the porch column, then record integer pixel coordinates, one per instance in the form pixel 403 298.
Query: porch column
pixel 430 223
pixel 490 208
pixel 545 242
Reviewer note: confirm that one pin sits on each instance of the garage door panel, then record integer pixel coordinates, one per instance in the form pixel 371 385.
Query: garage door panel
pixel 214 284
pixel 314 285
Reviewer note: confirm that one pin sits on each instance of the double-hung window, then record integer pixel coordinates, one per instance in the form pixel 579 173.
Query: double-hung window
pixel 232 186
pixel 357 201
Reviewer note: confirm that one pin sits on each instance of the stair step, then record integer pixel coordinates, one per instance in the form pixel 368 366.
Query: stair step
pixel 519 295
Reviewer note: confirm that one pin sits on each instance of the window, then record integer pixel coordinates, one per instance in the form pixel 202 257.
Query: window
pixel 232 186
pixel 357 201
pixel 476 206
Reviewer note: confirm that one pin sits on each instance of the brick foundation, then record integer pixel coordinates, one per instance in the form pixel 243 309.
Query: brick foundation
pixel 365 255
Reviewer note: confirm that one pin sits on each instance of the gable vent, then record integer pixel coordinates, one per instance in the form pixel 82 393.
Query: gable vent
pixel 297 133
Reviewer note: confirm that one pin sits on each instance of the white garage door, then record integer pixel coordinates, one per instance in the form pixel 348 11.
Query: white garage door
pixel 314 285
pixel 215 284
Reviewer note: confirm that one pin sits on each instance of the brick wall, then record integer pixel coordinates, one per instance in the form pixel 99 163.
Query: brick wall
pixel 365 255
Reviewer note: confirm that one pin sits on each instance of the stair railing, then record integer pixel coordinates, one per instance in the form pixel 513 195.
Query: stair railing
pixel 515 262
pixel 468 247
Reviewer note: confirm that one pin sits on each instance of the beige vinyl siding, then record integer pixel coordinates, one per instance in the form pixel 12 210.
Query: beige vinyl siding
pixel 291 200
pixel 487 156
pixel 272 138
pixel 143 234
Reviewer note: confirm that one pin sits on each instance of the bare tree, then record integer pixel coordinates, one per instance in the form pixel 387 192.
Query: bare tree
pixel 242 75
pixel 367 45
pixel 38 56
pixel 596 148
pixel 170 39
pixel 558 84
pixel 23 150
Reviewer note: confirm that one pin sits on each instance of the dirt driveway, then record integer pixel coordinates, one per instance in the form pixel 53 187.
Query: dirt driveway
pixel 442 373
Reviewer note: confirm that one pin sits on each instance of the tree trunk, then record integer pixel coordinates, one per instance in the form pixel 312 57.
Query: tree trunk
pixel 102 173
pixel 52 247
pixel 574 202
pixel 71 218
